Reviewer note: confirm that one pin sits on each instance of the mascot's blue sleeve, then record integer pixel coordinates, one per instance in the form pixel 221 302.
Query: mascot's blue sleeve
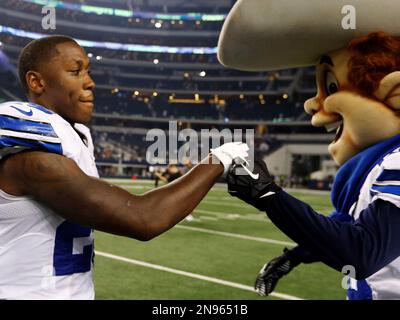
pixel 369 243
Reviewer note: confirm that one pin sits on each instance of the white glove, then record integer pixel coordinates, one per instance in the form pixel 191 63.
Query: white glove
pixel 231 151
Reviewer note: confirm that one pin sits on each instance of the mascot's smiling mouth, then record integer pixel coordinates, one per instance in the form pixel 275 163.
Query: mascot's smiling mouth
pixel 339 132
pixel 338 126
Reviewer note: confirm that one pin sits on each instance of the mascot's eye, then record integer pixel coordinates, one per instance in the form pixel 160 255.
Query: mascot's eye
pixel 331 83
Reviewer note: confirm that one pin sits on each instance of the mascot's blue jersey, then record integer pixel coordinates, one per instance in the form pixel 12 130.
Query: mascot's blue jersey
pixel 42 255
pixel 382 182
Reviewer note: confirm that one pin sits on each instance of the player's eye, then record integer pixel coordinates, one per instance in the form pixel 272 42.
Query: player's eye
pixel 330 82
pixel 76 72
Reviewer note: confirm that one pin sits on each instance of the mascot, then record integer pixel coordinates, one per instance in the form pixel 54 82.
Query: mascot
pixel 358 81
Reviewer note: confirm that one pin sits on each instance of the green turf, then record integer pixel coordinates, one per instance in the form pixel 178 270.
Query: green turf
pixel 223 257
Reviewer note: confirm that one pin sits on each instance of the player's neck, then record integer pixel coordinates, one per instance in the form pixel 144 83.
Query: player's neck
pixel 41 102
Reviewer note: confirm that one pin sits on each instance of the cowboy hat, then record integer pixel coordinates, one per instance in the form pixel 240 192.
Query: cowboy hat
pixel 266 35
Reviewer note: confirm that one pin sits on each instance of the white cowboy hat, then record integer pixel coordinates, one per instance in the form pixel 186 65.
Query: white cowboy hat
pixel 276 34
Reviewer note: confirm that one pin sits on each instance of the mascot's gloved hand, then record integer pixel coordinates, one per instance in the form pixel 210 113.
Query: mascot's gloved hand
pixel 230 151
pixel 273 271
pixel 251 187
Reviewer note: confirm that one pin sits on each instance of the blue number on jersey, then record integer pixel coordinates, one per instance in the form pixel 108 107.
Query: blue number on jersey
pixel 65 260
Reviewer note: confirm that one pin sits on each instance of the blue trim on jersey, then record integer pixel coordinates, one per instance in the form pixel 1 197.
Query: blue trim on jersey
pixel 351 176
pixel 41 108
pixel 363 291
pixel 32 105
pixel 10 142
pixel 391 189
pixel 65 261
pixel 389 175
pixel 26 126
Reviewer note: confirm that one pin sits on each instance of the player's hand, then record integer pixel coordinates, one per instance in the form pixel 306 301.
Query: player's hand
pixel 251 186
pixel 231 151
pixel 273 271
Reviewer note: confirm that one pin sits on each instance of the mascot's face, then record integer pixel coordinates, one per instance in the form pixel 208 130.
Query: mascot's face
pixel 359 121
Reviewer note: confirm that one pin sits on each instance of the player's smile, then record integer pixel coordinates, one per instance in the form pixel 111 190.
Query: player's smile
pixel 69 92
pixel 87 102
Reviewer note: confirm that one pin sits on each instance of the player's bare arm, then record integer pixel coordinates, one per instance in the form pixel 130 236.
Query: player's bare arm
pixel 60 184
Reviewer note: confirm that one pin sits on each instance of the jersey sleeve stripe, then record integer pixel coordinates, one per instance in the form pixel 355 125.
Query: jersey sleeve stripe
pixel 16 134
pixel 26 126
pixel 389 189
pixel 389 175
pixel 10 142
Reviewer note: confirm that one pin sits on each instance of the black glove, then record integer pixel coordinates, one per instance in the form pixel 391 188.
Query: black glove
pixel 249 188
pixel 272 271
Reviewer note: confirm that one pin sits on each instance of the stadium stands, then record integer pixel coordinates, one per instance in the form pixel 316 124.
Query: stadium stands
pixel 146 84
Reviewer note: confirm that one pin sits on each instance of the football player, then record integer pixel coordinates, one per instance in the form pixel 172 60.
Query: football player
pixel 50 194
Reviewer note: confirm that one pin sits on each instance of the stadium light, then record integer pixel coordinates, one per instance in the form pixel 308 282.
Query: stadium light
pixel 136 93
pixel 90 55
pixel 285 96
pixel 1 44
pixel 261 97
pixel 137 20
pixel 202 74
pixel 115 90
pixel 196 97
pixel 155 94
pixel 241 96
pixel 156 61
pixel 128 13
pixel 98 57
pixel 115 45
pixel 158 25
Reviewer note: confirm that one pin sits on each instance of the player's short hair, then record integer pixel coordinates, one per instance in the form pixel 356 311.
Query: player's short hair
pixel 372 58
pixel 36 52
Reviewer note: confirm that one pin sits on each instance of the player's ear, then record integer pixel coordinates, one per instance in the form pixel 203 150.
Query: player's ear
pixel 35 82
pixel 389 90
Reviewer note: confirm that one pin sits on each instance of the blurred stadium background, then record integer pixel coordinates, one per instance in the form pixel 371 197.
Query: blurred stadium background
pixel 162 66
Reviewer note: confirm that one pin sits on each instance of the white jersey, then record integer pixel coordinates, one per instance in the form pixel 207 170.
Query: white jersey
pixel 42 255
pixel 383 182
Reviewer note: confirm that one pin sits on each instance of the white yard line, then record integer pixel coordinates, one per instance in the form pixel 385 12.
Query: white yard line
pixel 235 235
pixel 234 216
pixel 192 275
pixel 132 187
pixel 196 219
pixel 226 203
